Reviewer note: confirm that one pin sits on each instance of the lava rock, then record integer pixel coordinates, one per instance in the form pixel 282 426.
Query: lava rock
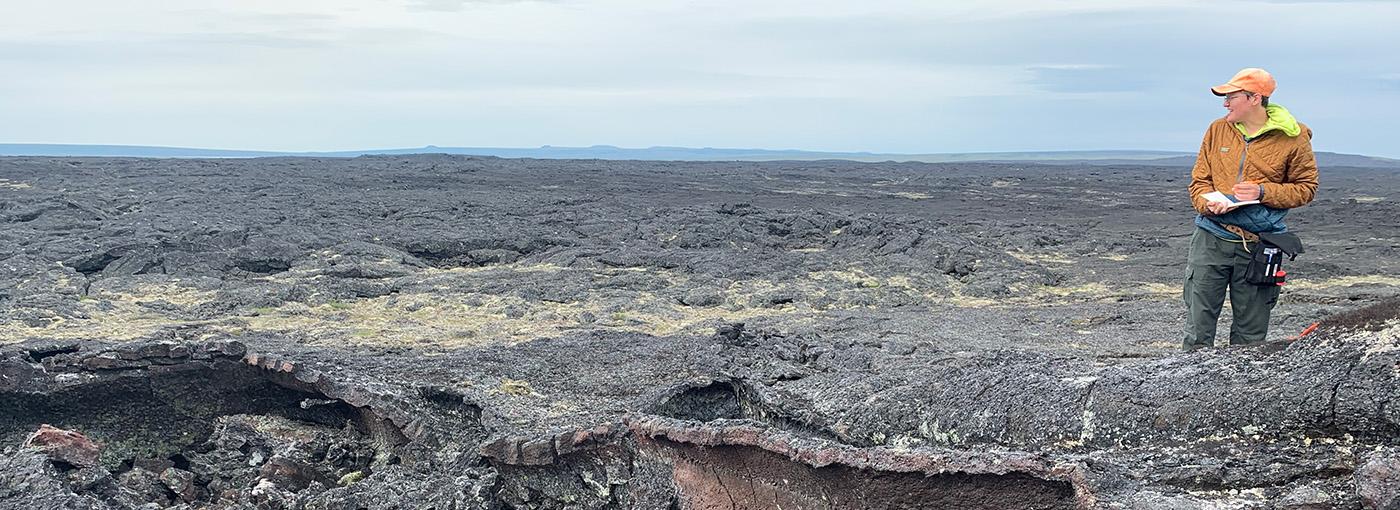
pixel 702 297
pixel 291 475
pixel 180 482
pixel 95 480
pixel 1378 481
pixel 65 446
pixel 143 486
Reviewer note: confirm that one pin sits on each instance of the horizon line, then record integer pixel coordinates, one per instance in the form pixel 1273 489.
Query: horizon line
pixel 1144 154
pixel 594 146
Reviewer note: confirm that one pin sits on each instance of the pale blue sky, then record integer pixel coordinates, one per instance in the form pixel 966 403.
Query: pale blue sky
pixel 899 76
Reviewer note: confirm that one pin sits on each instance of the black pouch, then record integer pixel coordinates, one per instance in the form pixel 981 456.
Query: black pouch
pixel 1266 263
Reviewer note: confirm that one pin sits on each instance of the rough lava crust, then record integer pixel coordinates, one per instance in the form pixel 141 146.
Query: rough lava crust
pixel 452 332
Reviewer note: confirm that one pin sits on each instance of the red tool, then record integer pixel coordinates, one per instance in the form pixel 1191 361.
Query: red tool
pixel 1306 331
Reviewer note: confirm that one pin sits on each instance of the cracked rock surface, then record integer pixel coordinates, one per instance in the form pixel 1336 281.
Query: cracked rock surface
pixel 449 332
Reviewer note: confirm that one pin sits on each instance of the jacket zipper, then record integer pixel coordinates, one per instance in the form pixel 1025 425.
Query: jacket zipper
pixel 1243 153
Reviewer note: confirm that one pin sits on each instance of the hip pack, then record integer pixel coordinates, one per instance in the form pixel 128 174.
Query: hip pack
pixel 1266 263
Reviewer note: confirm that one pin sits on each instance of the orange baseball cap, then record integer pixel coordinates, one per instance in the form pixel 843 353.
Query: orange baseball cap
pixel 1249 79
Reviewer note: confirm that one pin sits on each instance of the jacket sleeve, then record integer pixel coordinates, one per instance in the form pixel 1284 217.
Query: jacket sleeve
pixel 1300 181
pixel 1201 182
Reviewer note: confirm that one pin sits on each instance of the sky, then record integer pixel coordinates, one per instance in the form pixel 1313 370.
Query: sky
pixel 878 76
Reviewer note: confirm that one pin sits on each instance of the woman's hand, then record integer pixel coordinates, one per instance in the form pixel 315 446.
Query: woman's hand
pixel 1245 191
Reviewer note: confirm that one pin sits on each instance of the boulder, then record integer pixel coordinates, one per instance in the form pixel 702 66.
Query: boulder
pixel 65 446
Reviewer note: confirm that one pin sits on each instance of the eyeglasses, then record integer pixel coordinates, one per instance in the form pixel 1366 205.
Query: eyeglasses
pixel 1232 96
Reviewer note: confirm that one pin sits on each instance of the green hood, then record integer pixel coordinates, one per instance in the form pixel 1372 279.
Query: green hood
pixel 1279 119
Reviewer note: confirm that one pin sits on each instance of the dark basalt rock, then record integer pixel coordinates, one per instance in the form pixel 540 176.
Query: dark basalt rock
pixel 1039 433
pixel 814 335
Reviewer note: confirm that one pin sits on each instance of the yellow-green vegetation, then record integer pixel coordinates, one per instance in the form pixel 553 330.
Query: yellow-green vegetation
pixel 6 183
pixel 478 319
pixel 859 278
pixel 515 387
pixel 936 288
pixel 1162 288
pixel 1042 258
pixel 1087 290
pixel 350 478
pixel 1305 283
pixel 832 193
pixel 1023 295
pixel 172 292
pixel 454 319
pixel 116 316
pixel 912 195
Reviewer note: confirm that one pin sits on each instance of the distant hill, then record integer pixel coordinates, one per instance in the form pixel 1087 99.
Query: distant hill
pixel 1101 157
pixel 135 151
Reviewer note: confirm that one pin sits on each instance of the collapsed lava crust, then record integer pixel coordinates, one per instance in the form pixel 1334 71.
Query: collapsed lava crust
pixel 212 424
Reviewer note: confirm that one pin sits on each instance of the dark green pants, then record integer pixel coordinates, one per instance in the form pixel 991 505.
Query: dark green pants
pixel 1213 266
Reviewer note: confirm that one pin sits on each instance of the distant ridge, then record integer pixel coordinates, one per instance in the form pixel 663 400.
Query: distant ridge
pixel 136 151
pixel 1096 157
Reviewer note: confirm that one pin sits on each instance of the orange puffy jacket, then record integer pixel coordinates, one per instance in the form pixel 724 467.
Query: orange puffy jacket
pixel 1284 165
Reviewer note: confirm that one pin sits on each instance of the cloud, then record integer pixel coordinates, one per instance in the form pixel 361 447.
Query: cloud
pixel 280 19
pixel 902 75
pixel 281 40
pixel 1087 78
pixel 455 5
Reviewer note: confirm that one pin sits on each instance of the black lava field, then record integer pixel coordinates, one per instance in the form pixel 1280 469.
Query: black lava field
pixel 479 333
